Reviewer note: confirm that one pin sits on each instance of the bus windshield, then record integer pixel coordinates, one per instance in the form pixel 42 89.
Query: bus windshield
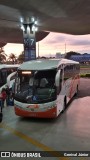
pixel 35 86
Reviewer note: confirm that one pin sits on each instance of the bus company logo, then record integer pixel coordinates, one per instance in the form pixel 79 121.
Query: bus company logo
pixel 5 154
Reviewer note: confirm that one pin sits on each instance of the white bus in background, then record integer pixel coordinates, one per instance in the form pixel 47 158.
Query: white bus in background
pixel 5 71
pixel 44 87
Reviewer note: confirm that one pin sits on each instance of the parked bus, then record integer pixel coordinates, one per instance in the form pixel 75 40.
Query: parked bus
pixel 44 87
pixel 5 70
pixel 7 75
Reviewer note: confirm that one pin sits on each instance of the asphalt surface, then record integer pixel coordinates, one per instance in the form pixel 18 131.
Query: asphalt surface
pixel 84 88
pixel 68 132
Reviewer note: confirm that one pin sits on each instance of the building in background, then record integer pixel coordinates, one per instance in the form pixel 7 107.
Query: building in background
pixel 85 58
pixel 59 55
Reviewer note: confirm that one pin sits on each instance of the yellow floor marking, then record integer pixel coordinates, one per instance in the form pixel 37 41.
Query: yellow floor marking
pixel 33 141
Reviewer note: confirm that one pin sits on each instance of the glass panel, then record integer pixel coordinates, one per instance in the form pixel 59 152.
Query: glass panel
pixel 36 87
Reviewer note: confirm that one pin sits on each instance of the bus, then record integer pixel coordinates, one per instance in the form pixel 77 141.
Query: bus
pixel 44 87
pixel 5 71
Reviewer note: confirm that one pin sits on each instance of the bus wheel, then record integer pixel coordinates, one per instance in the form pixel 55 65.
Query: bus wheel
pixel 64 104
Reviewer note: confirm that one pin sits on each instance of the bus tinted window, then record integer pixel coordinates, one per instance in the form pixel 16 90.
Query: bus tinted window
pixel 71 70
pixel 39 86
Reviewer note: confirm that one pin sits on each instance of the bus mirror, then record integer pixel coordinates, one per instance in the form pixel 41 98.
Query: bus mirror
pixel 57 79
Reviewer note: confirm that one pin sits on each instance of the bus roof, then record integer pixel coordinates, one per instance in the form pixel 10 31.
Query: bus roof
pixel 9 66
pixel 67 61
pixel 44 64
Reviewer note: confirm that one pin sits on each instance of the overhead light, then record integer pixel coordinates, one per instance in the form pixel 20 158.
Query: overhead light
pixel 22 27
pixel 35 22
pixel 32 19
pixel 28 28
pixel 34 28
pixel 21 20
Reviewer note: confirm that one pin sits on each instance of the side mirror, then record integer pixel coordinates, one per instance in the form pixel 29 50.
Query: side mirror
pixel 57 79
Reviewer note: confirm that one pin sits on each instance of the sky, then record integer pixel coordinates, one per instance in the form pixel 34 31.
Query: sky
pixel 54 43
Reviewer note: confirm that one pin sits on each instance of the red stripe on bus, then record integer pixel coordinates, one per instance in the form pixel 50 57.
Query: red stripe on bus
pixel 51 113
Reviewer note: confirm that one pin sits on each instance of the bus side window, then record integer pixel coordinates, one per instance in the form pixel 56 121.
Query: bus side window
pixel 66 73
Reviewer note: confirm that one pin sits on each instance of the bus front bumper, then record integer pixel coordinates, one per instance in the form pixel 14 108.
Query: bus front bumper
pixel 50 113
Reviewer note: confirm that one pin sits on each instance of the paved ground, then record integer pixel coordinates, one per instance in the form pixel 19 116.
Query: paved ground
pixel 69 132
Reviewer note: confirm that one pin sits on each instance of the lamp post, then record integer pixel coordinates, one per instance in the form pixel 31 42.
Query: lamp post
pixel 65 48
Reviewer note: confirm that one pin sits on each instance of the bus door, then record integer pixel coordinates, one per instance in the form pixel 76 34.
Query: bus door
pixel 60 94
pixel 68 72
pixel 4 76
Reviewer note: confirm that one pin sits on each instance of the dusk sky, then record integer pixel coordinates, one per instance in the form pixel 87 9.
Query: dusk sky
pixel 55 42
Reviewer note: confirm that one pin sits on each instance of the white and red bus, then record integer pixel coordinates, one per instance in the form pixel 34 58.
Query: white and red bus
pixel 44 87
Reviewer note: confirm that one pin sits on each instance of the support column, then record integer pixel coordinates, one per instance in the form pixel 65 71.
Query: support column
pixel 29 41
